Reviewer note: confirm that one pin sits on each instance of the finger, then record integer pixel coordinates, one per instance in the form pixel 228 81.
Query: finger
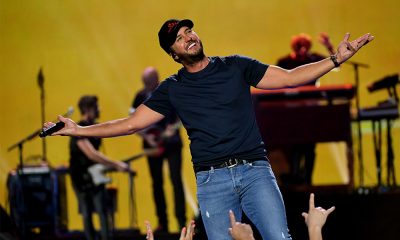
pixel 149 231
pixel 346 37
pixel 230 231
pixel 192 233
pixel 330 210
pixel 305 216
pixel 183 233
pixel 147 224
pixel 232 218
pixel 190 228
pixel 350 47
pixel 361 41
pixel 311 202
pixel 61 118
pixel 48 124
pixel 369 39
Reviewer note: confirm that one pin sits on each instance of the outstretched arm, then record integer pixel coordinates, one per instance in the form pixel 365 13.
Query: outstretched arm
pixel 315 219
pixel 142 118
pixel 276 77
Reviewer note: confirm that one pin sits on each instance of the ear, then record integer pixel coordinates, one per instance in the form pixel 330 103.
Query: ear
pixel 174 56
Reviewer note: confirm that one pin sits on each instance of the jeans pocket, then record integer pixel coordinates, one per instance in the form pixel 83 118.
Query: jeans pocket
pixel 203 178
pixel 260 164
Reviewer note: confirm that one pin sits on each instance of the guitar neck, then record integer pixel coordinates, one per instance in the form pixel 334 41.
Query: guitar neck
pixel 130 159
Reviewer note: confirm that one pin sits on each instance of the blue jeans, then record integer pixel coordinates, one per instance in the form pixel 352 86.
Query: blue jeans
pixel 250 188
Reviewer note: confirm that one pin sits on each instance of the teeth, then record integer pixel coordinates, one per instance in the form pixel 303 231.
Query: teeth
pixel 191 45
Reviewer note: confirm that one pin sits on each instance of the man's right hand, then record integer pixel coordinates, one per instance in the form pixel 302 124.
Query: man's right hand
pixel 69 129
pixel 122 166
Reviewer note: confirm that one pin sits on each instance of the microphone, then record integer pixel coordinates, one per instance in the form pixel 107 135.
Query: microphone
pixel 50 130
pixel 58 126
pixel 69 112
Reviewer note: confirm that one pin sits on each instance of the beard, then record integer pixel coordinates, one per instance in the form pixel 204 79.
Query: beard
pixel 191 58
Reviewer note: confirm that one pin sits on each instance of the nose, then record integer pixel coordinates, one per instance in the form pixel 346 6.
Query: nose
pixel 187 38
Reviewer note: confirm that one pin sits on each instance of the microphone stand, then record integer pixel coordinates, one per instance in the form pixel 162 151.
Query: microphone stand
pixel 20 144
pixel 40 80
pixel 356 66
pixel 31 136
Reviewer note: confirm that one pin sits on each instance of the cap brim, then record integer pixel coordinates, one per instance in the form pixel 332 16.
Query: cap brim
pixel 183 23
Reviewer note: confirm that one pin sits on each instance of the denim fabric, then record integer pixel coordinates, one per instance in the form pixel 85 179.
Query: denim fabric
pixel 250 187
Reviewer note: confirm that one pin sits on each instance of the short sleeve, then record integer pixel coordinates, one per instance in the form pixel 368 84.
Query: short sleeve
pixel 253 70
pixel 159 100
pixel 139 99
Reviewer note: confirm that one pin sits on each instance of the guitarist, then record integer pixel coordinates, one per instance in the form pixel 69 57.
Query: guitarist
pixel 163 135
pixel 83 154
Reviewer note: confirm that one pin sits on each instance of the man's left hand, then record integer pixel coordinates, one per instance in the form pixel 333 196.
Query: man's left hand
pixel 347 49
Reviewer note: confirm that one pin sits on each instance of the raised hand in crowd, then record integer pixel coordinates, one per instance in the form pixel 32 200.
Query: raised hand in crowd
pixel 186 232
pixel 238 230
pixel 315 219
pixel 149 231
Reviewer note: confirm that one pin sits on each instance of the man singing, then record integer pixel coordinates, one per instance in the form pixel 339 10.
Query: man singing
pixel 211 96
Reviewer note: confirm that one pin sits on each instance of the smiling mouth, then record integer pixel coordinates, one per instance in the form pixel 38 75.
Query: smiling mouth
pixel 191 45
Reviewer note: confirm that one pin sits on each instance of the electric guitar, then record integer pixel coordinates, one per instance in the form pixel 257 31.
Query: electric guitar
pixel 159 137
pixel 98 171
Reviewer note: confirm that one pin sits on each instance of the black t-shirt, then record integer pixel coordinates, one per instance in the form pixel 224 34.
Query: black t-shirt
pixel 216 108
pixel 79 162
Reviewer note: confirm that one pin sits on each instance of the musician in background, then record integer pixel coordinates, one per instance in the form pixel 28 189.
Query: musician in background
pixel 83 154
pixel 302 156
pixel 165 136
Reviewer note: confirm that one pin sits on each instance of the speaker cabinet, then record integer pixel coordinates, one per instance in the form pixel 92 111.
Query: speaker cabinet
pixel 37 199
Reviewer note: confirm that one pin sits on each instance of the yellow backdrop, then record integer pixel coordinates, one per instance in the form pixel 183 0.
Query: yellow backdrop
pixel 101 47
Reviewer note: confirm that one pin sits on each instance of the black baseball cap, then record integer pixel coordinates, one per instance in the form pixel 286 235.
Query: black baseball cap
pixel 169 30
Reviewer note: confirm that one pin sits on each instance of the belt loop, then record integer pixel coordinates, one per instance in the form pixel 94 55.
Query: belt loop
pixel 212 169
pixel 231 163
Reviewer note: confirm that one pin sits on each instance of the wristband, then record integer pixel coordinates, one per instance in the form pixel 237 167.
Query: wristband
pixel 334 60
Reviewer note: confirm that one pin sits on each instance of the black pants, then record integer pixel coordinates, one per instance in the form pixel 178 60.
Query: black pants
pixel 90 201
pixel 302 158
pixel 174 157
